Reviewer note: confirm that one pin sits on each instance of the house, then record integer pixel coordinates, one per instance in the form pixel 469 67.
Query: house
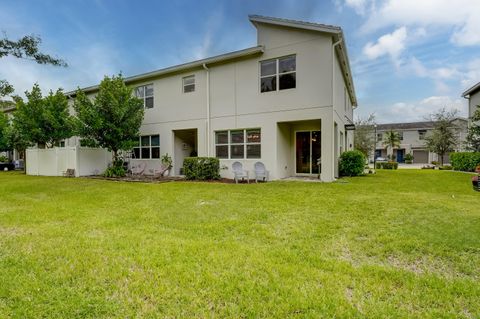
pixel 287 102
pixel 473 96
pixel 412 140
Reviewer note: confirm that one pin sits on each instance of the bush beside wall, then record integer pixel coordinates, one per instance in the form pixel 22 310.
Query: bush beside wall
pixel 387 165
pixel 352 163
pixel 201 168
pixel 465 161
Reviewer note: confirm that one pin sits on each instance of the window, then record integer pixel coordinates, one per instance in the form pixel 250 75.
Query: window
pixel 379 136
pixel 145 93
pixel 421 134
pixel 238 144
pixel 188 84
pixel 400 135
pixel 278 74
pixel 148 147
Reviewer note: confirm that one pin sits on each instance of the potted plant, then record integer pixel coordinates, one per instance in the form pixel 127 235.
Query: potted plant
pixel 167 163
pixel 409 158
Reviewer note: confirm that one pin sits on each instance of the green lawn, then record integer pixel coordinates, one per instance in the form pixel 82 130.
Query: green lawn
pixel 399 244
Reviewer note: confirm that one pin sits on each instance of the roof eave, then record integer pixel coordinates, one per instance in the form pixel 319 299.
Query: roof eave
pixel 471 90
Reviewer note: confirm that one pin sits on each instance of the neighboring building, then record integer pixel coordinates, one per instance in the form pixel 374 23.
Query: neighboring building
pixel 412 140
pixel 8 108
pixel 473 96
pixel 285 102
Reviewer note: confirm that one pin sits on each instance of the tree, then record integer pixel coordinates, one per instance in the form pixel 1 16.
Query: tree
pixel 112 119
pixel 443 137
pixel 24 48
pixel 391 140
pixel 473 137
pixel 364 139
pixel 42 120
pixel 4 126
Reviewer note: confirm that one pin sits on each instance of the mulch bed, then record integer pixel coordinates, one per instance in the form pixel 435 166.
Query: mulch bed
pixel 165 179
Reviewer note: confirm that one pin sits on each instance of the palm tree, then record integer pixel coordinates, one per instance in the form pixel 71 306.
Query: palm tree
pixel 391 140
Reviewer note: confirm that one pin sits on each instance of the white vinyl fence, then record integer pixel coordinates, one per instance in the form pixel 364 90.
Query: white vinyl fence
pixel 55 161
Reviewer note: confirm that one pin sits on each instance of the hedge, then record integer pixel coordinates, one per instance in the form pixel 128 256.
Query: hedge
pixel 352 163
pixel 465 161
pixel 387 165
pixel 201 168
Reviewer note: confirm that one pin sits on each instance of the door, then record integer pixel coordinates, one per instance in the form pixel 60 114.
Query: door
pixel 400 155
pixel 420 157
pixel 307 152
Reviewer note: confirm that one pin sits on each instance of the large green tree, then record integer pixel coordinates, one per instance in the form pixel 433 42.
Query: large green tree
pixel 364 139
pixel 24 48
pixel 112 118
pixel 391 139
pixel 4 128
pixel 43 120
pixel 443 138
pixel 473 137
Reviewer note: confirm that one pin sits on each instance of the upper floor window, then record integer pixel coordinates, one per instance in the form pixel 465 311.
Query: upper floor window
pixel 188 84
pixel 278 74
pixel 421 134
pixel 379 136
pixel 145 93
pixel 148 147
pixel 238 144
pixel 400 135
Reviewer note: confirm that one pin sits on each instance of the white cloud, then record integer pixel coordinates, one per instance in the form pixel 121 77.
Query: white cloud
pixel 471 74
pixel 461 16
pixel 420 110
pixel 391 44
pixel 360 6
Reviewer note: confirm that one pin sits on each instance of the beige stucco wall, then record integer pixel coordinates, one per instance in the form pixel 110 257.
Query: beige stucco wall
pixel 473 101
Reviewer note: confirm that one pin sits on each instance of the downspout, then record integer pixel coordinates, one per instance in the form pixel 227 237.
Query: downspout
pixel 208 108
pixel 333 104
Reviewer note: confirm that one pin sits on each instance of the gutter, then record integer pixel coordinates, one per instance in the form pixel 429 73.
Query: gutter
pixel 208 107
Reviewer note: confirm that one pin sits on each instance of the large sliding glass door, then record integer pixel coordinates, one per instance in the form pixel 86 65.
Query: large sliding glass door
pixel 307 152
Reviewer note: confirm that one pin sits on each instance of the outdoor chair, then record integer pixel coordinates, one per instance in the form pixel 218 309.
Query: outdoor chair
pixel 70 172
pixel 261 174
pixel 161 170
pixel 239 172
pixel 139 169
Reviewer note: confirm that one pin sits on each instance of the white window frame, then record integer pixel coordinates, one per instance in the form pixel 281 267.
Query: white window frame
pixel 150 146
pixel 185 85
pixel 277 73
pixel 145 96
pixel 245 144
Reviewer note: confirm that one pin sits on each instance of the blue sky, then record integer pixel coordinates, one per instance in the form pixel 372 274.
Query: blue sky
pixel 409 58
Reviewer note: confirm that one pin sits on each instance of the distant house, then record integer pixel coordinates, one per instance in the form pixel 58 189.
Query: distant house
pixel 473 96
pixel 412 140
pixel 288 102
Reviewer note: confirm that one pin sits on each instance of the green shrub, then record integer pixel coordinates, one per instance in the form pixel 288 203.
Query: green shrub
pixel 3 159
pixel 465 161
pixel 387 165
pixel 408 157
pixel 201 168
pixel 352 163
pixel 116 170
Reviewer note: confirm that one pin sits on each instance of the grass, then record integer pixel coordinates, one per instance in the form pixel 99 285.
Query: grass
pixel 398 244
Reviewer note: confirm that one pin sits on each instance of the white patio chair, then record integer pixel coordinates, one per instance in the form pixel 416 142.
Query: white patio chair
pixel 260 172
pixel 139 169
pixel 239 172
